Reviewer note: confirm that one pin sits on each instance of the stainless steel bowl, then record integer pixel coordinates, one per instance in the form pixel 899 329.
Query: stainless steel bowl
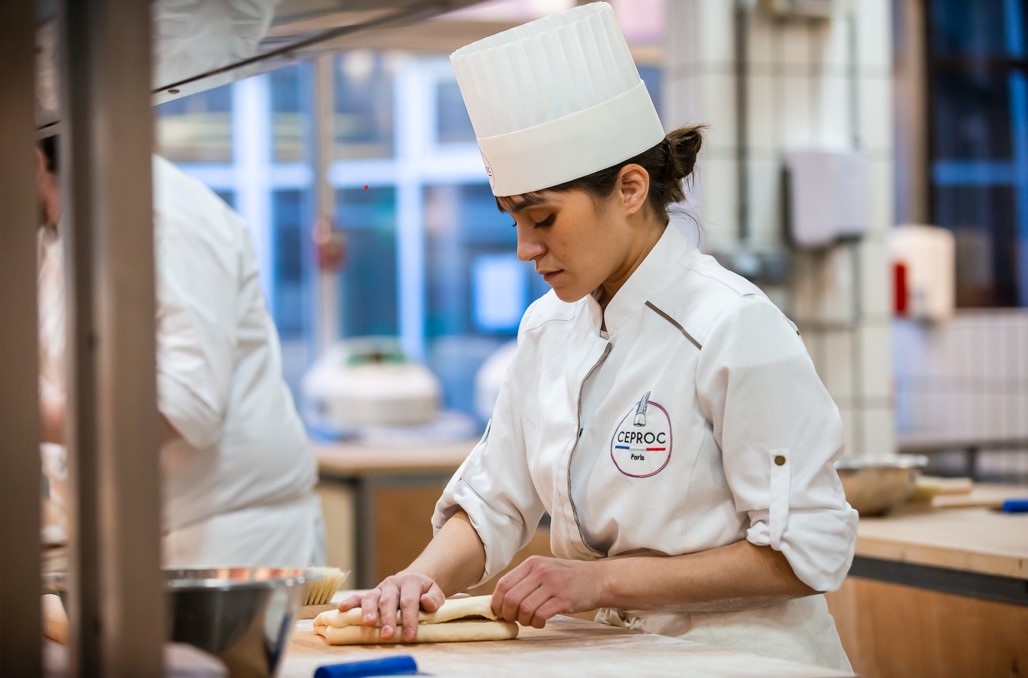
pixel 875 486
pixel 244 616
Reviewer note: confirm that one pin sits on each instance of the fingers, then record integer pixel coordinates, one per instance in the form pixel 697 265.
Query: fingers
pixel 535 591
pixel 407 593
pixel 350 602
pixel 433 599
pixel 502 594
pixel 387 606
pixel 410 605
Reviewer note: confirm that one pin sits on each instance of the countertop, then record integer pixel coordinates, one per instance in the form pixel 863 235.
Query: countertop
pixel 958 532
pixel 360 459
pixel 567 646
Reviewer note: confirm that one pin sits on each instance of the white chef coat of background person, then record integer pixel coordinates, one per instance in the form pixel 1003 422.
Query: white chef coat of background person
pixel 658 407
pixel 237 470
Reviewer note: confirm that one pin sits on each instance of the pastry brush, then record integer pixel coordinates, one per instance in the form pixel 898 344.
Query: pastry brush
pixel 323 583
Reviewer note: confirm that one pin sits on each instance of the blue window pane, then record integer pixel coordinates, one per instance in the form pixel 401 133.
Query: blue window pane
pixel 453 126
pixel 984 221
pixel 462 224
pixel 229 197
pixel 978 103
pixel 651 77
pixel 290 256
pixel 470 243
pixel 971 116
pixel 368 281
pixel 978 28
pixel 291 103
pixel 363 106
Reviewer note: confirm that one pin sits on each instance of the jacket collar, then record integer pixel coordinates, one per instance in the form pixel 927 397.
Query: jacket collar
pixel 650 277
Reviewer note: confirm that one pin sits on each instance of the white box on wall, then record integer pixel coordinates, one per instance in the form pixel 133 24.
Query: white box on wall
pixel 827 196
pixel 928 256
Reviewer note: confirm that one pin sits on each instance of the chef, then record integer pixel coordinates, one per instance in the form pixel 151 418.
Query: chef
pixel 659 408
pixel 237 471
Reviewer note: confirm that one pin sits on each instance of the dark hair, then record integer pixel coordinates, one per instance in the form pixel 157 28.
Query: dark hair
pixel 668 164
pixel 49 147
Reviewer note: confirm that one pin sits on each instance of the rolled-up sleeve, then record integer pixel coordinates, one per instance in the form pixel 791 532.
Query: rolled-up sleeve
pixel 780 433
pixel 196 342
pixel 494 487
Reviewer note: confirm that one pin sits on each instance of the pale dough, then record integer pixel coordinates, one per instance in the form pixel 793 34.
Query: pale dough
pixel 458 619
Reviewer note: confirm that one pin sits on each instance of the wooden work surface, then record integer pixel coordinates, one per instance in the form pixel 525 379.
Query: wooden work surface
pixel 971 539
pixel 566 647
pixel 358 459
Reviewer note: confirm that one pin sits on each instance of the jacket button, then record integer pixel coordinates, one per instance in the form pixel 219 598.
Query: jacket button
pixel 779 460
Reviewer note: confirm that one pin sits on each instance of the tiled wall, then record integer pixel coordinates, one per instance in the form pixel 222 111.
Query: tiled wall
pixel 811 83
pixel 966 379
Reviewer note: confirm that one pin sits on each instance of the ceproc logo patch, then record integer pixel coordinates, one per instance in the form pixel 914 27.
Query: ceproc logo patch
pixel 641 446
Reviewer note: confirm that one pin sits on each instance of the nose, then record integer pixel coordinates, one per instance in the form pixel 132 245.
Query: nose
pixel 529 248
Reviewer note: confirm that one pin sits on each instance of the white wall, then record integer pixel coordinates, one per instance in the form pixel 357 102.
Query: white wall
pixel 811 83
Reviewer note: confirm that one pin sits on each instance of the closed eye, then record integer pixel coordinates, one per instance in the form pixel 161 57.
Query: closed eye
pixel 548 221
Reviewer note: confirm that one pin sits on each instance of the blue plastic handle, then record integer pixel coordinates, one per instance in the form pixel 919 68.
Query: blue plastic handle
pixel 1015 506
pixel 387 666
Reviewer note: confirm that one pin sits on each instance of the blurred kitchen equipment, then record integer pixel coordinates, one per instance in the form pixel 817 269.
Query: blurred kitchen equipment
pixel 927 255
pixel 827 196
pixel 244 616
pixel 490 378
pixel 875 486
pixel 403 664
pixel 369 381
pixel 1015 506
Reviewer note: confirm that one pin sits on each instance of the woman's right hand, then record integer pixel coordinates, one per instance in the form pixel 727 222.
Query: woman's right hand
pixel 408 592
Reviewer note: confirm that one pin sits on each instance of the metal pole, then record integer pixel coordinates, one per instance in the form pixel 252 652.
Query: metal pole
pixel 322 146
pixel 106 143
pixel 20 624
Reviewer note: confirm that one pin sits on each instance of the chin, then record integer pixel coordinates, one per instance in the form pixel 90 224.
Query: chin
pixel 568 296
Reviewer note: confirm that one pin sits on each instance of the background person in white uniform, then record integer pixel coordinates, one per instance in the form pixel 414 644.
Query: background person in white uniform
pixel 659 408
pixel 237 471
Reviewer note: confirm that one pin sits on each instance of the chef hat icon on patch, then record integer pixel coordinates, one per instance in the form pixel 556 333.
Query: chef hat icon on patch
pixel 556 99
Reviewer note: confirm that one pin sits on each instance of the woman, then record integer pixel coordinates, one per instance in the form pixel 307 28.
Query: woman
pixel 659 408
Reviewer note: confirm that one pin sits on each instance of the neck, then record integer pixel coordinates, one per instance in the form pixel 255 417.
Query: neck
pixel 637 254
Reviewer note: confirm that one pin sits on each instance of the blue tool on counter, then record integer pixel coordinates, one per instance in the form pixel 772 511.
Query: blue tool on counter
pixel 387 666
pixel 1015 506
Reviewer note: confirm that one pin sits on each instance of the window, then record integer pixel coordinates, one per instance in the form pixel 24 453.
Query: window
pixel 430 259
pixel 363 105
pixel 978 97
pixel 368 283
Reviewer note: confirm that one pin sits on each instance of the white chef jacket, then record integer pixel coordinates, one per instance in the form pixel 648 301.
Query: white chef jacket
pixel 238 486
pixel 706 424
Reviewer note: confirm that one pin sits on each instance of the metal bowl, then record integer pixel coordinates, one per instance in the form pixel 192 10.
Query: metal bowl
pixel 875 486
pixel 244 616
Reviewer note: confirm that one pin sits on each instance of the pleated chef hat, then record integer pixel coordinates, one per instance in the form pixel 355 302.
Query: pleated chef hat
pixel 555 99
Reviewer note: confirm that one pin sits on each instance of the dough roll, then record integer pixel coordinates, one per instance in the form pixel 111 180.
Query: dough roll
pixel 457 620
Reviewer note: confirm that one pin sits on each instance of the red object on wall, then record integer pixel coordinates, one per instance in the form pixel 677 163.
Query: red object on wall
pixel 899 286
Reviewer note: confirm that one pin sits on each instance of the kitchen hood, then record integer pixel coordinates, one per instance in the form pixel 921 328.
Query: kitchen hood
pixel 202 44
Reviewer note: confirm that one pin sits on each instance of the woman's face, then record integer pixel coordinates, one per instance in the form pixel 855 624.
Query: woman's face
pixel 578 242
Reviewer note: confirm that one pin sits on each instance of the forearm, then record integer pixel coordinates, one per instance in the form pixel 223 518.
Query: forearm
pixel 455 558
pixel 732 577
pixel 51 418
pixel 53 412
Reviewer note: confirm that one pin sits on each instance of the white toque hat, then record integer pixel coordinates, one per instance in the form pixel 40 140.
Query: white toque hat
pixel 555 99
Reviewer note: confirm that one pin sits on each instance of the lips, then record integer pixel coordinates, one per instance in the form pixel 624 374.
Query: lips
pixel 548 276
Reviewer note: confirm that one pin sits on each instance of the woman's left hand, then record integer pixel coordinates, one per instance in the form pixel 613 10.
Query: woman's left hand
pixel 540 588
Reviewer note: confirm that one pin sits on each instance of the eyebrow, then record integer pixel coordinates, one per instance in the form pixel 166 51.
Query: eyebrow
pixel 507 203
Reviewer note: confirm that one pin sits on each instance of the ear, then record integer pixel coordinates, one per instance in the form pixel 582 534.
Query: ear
pixel 633 188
